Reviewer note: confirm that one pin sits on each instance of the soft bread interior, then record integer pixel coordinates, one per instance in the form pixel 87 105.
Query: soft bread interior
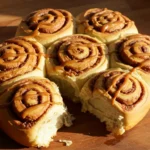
pixel 42 133
pixel 55 118
pixel 49 127
pixel 39 132
pixel 102 109
pixel 118 119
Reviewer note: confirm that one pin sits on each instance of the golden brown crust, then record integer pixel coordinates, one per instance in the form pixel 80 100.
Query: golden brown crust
pixel 132 52
pixel 75 58
pixel 129 94
pixel 124 91
pixel 76 54
pixel 47 25
pixel 20 57
pixel 105 24
pixel 31 102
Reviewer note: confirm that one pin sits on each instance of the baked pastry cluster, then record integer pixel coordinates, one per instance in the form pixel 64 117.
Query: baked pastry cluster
pixel 31 106
pixel 97 58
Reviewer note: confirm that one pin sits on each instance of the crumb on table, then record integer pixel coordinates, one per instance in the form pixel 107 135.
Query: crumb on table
pixel 66 142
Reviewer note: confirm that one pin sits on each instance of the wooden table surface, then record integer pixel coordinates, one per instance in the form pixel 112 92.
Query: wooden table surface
pixel 87 133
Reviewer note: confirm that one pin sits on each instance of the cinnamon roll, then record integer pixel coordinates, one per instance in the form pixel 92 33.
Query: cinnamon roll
pixel 47 25
pixel 20 58
pixel 107 25
pixel 119 98
pixel 31 111
pixel 72 60
pixel 132 53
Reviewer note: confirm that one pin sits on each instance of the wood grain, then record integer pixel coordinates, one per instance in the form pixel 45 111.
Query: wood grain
pixel 87 133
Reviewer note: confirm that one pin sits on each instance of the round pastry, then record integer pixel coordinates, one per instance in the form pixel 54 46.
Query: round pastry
pixel 47 25
pixel 107 25
pixel 32 111
pixel 132 53
pixel 72 60
pixel 119 98
pixel 20 57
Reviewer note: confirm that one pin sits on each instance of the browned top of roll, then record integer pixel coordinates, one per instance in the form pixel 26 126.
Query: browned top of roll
pixel 17 57
pixel 122 87
pixel 30 100
pixel 77 54
pixel 48 20
pixel 104 20
pixel 135 51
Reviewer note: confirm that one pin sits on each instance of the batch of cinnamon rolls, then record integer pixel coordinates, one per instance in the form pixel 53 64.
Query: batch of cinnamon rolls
pixel 97 58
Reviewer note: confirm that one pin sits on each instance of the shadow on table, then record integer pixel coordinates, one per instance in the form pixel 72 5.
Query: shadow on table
pixel 84 123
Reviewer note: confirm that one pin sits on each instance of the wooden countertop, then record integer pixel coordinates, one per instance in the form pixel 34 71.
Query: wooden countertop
pixel 87 132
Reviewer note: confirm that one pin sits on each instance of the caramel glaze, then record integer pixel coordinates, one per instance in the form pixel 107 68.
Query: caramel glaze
pixel 28 122
pixel 126 78
pixel 77 54
pixel 49 21
pixel 134 50
pixel 5 56
pixel 120 80
pixel 16 53
pixel 143 65
pixel 105 21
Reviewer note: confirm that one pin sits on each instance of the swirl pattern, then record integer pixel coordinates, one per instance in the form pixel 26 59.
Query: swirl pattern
pixel 77 54
pixel 31 98
pixel 33 108
pixel 18 56
pixel 49 20
pixel 122 87
pixel 134 50
pixel 115 97
pixel 105 21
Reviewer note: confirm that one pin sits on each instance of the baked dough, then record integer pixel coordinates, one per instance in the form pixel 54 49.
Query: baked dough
pixel 132 53
pixel 32 112
pixel 118 98
pixel 47 25
pixel 20 57
pixel 72 60
pixel 104 24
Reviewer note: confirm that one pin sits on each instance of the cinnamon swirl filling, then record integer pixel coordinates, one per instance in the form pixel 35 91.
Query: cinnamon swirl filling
pixel 18 56
pixel 77 54
pixel 49 21
pixel 122 87
pixel 134 50
pixel 30 99
pixel 105 21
